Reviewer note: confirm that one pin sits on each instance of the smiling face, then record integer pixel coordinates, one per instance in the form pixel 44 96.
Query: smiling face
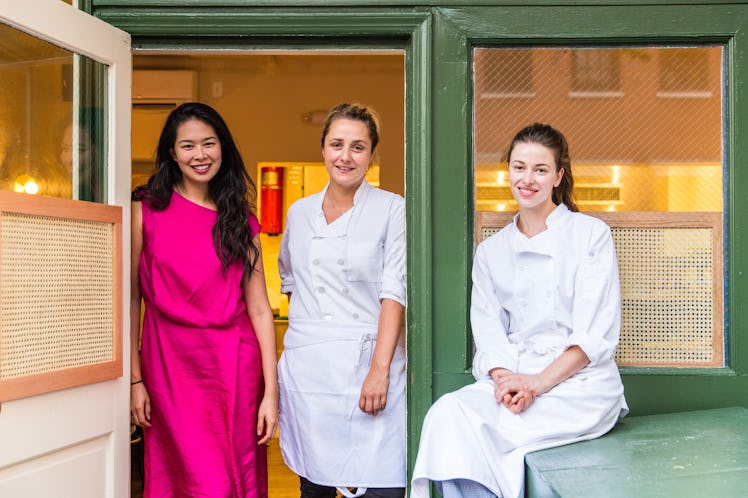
pixel 197 152
pixel 532 176
pixel 347 151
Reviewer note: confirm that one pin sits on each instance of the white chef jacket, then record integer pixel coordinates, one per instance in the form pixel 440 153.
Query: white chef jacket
pixel 337 274
pixel 532 298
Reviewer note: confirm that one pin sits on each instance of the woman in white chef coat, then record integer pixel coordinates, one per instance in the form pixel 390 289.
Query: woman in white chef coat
pixel 545 315
pixel 342 372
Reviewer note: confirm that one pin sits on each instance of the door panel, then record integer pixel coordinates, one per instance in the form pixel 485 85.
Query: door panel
pixel 64 132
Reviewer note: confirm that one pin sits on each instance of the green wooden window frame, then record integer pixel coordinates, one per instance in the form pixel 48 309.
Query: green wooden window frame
pixel 456 32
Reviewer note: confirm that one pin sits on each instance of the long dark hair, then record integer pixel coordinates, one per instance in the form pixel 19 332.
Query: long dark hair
pixel 551 138
pixel 231 189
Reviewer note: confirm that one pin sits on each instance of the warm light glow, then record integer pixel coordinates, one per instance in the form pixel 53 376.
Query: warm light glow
pixel 616 175
pixel 500 206
pixel 612 207
pixel 25 184
pixel 501 177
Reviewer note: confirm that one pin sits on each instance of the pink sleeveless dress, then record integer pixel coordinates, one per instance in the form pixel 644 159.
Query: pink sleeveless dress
pixel 201 362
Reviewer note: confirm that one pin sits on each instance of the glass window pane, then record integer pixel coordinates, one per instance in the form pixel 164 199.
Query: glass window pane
pixel 52 119
pixel 655 147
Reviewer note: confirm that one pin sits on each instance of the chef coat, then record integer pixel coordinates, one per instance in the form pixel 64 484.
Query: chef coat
pixel 532 299
pixel 337 275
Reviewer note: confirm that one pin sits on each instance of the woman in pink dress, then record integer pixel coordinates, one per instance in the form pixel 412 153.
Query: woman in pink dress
pixel 205 388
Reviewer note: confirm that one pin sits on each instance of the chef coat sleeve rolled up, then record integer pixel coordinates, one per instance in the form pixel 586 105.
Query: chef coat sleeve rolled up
pixel 596 317
pixel 394 271
pixel 489 320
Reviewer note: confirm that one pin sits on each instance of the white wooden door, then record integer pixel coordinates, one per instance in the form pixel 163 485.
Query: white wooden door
pixel 65 432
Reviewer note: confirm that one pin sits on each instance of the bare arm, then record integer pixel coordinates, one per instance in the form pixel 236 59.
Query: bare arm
pixel 140 403
pixel 374 389
pixel 261 315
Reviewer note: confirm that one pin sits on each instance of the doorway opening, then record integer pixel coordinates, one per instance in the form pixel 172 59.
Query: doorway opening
pixel 274 103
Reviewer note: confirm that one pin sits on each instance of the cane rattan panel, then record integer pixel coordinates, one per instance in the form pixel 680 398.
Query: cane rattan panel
pixel 671 285
pixel 59 290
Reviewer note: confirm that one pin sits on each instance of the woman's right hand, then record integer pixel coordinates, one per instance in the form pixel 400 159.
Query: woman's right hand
pixel 140 405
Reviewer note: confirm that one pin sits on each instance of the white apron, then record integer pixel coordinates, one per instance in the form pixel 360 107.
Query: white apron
pixel 324 436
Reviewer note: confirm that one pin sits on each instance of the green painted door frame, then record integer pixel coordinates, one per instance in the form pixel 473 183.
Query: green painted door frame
pixel 437 37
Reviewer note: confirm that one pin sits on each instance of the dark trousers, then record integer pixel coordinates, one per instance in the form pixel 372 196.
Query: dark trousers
pixel 311 490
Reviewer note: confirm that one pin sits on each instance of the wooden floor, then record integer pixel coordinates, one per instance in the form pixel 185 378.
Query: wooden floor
pixel 282 483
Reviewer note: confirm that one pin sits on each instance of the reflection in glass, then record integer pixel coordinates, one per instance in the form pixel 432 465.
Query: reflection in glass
pixel 52 119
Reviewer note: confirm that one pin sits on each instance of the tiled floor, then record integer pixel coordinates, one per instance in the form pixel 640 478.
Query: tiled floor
pixel 282 483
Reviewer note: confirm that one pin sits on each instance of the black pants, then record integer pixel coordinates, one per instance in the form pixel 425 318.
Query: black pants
pixel 311 490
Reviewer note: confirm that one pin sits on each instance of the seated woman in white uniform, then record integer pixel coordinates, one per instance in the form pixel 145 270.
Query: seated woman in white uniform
pixel 545 315
pixel 342 372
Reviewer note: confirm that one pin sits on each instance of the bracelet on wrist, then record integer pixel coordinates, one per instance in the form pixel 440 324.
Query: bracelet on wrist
pixel 136 382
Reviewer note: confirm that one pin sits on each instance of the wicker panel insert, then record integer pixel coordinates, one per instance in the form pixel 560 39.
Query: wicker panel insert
pixel 667 288
pixel 57 294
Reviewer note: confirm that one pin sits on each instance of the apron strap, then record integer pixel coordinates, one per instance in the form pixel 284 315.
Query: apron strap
pixel 348 494
pixel 365 350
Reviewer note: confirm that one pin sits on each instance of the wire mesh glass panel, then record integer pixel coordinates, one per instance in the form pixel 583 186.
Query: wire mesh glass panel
pixel 595 73
pixel 644 126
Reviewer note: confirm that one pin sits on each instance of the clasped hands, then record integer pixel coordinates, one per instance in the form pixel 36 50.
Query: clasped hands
pixel 515 391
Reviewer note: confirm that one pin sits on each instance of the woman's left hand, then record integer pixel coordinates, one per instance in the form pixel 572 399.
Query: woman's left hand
pixel 267 418
pixel 374 391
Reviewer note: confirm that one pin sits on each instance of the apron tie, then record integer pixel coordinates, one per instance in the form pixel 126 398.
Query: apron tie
pixel 348 494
